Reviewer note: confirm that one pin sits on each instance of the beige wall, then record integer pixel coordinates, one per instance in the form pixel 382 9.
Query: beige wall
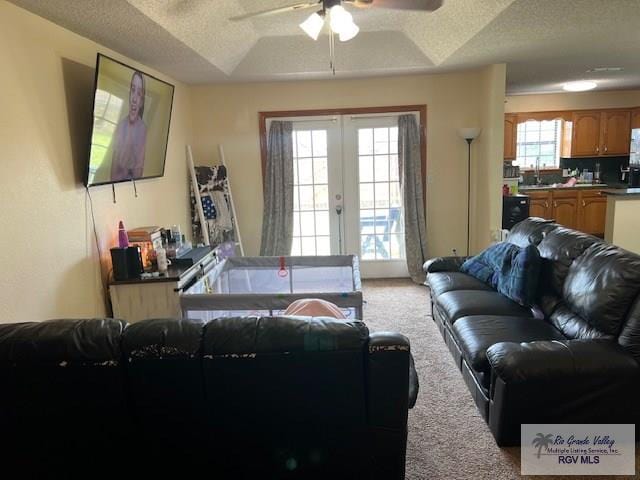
pixel 623 222
pixel 487 169
pixel 228 114
pixel 570 101
pixel 48 256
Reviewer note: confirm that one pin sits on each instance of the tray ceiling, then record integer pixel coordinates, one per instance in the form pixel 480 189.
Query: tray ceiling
pixel 543 42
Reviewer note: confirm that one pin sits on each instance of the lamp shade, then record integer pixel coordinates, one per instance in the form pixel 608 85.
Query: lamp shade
pixel 469 133
pixel 313 25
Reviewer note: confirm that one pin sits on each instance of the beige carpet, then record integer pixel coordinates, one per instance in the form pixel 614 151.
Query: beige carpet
pixel 448 439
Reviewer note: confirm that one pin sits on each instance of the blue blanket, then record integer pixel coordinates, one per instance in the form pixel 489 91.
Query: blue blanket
pixel 511 270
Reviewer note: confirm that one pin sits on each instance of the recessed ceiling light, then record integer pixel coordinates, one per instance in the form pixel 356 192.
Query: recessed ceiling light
pixel 579 86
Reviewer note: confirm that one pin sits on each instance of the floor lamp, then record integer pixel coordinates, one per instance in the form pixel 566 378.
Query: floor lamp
pixel 469 134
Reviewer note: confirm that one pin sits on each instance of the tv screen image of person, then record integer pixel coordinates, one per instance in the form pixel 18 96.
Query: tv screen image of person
pixel 131 118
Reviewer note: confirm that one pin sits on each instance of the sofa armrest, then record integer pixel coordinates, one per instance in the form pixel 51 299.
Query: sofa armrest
pixel 572 381
pixel 388 379
pixel 570 359
pixel 443 264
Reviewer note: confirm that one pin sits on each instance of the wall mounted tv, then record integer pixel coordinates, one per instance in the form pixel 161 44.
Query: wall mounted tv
pixel 131 118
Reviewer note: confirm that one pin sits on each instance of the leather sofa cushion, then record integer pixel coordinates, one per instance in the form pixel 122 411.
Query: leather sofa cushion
pixel 90 341
pixel 475 334
pixel 573 326
pixel 441 282
pixel 630 334
pixel 559 248
pixel 602 285
pixel 256 335
pixel 530 231
pixel 462 303
pixel 163 338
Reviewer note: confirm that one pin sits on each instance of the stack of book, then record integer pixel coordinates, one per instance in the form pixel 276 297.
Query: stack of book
pixel 148 239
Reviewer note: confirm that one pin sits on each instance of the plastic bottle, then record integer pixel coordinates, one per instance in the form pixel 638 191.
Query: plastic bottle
pixel 161 256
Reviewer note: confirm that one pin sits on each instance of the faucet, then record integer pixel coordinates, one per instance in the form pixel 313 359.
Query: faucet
pixel 537 171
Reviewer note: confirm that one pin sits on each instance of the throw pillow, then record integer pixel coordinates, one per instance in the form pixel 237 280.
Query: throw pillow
pixel 511 270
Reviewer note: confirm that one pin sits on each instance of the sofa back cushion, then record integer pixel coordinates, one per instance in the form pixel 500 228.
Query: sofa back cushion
pixel 602 285
pixel 286 387
pixel 530 231
pixel 63 388
pixel 558 249
pixel 164 373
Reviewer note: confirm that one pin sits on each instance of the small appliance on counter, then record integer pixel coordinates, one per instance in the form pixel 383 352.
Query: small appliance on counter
pixel 634 159
pixel 515 208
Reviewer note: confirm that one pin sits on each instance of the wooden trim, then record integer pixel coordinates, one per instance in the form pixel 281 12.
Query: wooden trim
pixel 540 116
pixel 422 109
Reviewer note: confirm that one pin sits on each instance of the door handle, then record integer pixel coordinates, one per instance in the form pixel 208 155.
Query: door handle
pixel 546 204
pixel 555 204
pixel 584 204
pixel 605 149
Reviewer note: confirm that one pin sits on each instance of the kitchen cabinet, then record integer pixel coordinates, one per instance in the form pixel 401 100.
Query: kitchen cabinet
pixel 510 134
pixel 616 132
pixel 592 212
pixel 580 209
pixel 540 204
pixel 565 208
pixel 585 139
pixel 596 133
pixel 635 118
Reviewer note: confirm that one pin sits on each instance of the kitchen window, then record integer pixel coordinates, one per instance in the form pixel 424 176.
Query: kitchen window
pixel 538 144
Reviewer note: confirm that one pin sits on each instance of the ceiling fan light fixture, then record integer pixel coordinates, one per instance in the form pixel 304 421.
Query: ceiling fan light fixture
pixel 312 26
pixel 348 32
pixel 339 19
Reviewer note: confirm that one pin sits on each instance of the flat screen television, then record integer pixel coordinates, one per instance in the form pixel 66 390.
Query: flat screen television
pixel 131 118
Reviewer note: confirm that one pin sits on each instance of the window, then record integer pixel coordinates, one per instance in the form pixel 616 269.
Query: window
pixel 381 225
pixel 538 141
pixel 311 232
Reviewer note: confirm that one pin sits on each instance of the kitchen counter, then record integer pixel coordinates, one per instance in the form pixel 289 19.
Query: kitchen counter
pixel 622 220
pixel 622 192
pixel 524 188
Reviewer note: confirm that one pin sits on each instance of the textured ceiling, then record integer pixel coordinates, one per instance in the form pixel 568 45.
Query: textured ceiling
pixel 543 42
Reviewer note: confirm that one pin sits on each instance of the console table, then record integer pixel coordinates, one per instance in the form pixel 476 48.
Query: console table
pixel 158 297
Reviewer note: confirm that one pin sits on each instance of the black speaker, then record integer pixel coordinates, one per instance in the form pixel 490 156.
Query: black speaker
pixel 119 263
pixel 134 262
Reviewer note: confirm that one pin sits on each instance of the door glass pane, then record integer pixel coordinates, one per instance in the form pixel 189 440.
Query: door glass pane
pixel 311 228
pixel 381 225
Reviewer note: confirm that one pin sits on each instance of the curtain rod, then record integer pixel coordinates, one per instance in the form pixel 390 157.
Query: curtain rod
pixel 356 117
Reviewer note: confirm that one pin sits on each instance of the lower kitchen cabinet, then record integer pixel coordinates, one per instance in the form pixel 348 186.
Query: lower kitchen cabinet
pixel 592 212
pixel 540 204
pixel 583 210
pixel 565 208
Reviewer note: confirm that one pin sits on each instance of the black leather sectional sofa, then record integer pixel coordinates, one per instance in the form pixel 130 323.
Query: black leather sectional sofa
pixel 233 398
pixel 572 358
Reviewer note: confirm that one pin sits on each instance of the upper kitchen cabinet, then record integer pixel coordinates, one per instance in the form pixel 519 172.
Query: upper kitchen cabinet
pixel 635 118
pixel 510 132
pixel 616 132
pixel 600 133
pixel 585 137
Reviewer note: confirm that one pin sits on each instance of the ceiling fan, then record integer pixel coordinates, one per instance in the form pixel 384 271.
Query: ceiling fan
pixel 339 19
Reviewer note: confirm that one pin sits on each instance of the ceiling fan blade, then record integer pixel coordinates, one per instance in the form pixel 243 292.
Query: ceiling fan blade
pixel 273 11
pixel 421 5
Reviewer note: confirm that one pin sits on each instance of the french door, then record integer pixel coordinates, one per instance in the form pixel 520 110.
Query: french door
pixel 347 192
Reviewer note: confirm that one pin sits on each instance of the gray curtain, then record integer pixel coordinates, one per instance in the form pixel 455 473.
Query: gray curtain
pixel 277 220
pixel 410 165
